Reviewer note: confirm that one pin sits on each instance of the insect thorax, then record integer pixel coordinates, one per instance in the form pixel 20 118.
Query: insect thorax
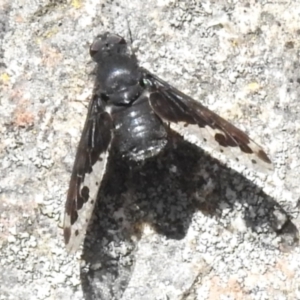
pixel 138 132
pixel 117 73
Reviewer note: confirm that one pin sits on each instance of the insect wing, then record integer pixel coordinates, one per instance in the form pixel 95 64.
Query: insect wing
pixel 88 170
pixel 200 125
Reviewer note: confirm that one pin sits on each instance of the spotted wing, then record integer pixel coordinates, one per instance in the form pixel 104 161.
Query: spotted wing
pixel 200 125
pixel 87 174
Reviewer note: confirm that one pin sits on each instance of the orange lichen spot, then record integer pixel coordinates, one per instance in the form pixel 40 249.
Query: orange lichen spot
pixel 51 57
pixel 22 116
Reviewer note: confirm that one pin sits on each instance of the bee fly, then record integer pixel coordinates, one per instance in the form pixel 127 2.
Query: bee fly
pixel 132 110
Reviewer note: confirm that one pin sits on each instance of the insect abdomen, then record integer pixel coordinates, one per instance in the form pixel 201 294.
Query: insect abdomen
pixel 139 133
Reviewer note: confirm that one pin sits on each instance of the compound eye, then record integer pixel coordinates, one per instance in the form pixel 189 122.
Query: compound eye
pixel 95 47
pixel 122 41
pixel 116 39
pixel 105 44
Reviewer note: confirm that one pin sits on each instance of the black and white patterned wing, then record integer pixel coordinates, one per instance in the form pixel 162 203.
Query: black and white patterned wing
pixel 88 170
pixel 200 125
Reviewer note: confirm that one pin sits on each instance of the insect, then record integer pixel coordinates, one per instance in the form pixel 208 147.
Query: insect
pixel 132 110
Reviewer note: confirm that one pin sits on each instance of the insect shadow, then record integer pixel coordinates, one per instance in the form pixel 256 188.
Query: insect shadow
pixel 164 193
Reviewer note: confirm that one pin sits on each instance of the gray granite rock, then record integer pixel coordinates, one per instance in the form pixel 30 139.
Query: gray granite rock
pixel 184 226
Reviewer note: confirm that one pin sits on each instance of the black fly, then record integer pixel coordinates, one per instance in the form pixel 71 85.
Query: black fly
pixel 132 110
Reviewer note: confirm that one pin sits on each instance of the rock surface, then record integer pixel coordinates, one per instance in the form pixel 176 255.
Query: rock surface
pixel 184 226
